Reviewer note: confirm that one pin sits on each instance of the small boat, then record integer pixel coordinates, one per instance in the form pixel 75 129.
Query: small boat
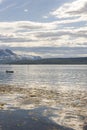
pixel 9 71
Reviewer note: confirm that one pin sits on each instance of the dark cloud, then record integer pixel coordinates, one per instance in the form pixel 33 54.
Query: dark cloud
pixel 31 26
pixel 57 34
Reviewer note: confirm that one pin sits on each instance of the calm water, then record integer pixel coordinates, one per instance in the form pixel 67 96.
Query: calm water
pixel 53 76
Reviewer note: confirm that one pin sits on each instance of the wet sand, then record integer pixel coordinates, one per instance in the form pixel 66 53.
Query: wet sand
pixel 42 109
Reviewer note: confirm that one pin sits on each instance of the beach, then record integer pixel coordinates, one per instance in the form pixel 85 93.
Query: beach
pixel 42 108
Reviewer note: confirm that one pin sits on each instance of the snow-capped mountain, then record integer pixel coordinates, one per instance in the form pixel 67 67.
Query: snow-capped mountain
pixel 7 56
pixel 6 53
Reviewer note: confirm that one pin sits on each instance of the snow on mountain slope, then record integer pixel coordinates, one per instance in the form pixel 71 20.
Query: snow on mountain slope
pixel 6 52
pixel 7 55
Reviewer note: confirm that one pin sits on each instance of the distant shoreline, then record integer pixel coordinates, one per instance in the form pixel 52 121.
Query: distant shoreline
pixel 59 61
pixel 9 57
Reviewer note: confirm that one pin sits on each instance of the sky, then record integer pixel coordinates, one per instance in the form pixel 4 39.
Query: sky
pixel 48 28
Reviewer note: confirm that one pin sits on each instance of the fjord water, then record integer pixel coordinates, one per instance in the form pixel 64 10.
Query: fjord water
pixel 52 76
pixel 31 88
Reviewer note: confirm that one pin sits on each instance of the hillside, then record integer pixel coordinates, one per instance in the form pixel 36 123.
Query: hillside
pixel 9 57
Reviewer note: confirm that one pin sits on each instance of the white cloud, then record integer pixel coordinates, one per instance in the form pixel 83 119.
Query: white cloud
pixel 1 1
pixel 45 17
pixel 26 10
pixel 65 31
pixel 78 8
pixel 28 34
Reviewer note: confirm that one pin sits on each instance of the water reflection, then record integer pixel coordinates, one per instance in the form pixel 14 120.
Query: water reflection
pixel 38 103
pixel 5 77
pixel 29 120
pixel 65 108
pixel 54 76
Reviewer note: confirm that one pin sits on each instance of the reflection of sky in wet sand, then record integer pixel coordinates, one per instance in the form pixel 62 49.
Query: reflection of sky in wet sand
pixel 65 108
pixel 57 94
pixel 28 120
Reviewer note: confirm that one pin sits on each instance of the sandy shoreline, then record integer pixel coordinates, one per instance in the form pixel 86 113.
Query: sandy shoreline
pixel 44 108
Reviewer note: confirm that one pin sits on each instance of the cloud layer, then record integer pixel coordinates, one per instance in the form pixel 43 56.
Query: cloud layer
pixel 41 34
pixel 66 27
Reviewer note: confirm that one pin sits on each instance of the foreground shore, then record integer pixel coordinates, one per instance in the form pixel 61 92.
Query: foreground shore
pixel 42 109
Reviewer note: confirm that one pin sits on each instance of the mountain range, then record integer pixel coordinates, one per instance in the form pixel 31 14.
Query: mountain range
pixel 9 57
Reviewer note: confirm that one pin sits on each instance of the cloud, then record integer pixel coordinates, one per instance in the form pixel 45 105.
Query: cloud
pixel 36 25
pixel 79 12
pixel 72 12
pixel 61 29
pixel 28 33
pixel 1 1
pixel 45 17
pixel 77 8
pixel 11 38
pixel 26 10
